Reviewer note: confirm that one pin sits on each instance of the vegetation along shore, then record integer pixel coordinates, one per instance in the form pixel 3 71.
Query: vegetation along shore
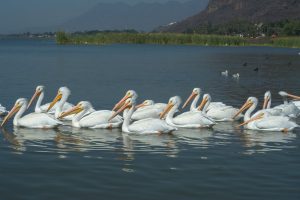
pixel 132 37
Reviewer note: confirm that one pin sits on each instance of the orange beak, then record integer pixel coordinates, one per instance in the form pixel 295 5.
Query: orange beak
pixel 192 96
pixel 121 102
pixel 55 100
pixel 167 109
pixel 15 109
pixel 244 107
pixel 204 101
pixel 140 105
pixel 36 94
pixel 76 109
pixel 126 105
pixel 266 101
pixel 294 96
pixel 260 116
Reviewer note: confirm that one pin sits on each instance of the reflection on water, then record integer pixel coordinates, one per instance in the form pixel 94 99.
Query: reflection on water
pixel 67 139
pixel 262 142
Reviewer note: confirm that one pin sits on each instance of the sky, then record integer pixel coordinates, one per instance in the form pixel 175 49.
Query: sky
pixel 17 15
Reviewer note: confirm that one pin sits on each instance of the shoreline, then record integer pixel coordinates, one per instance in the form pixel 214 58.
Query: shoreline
pixel 174 39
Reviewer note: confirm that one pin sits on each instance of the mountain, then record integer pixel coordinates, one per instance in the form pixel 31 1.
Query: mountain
pixel 225 11
pixel 141 16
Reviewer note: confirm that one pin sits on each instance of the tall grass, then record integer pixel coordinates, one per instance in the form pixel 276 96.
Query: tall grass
pixel 173 38
pixel 153 38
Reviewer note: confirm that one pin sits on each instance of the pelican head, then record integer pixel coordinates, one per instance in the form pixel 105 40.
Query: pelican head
pixel 18 105
pixel 145 103
pixel 195 92
pixel 250 102
pixel 38 91
pixel 81 106
pixel 267 99
pixel 128 104
pixel 62 92
pixel 206 98
pixel 129 94
pixel 173 102
pixel 285 95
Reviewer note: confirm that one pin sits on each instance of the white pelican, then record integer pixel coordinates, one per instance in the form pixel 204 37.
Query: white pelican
pixel 151 112
pixel 39 92
pixel 189 119
pixel 288 108
pixel 196 96
pixel 32 120
pixel 267 106
pixel 225 73
pixel 145 126
pixel 146 110
pixel 148 103
pixel 129 94
pixel 262 121
pixel 60 99
pixel 295 102
pixel 96 119
pixel 219 114
pixel 3 110
pixel 236 76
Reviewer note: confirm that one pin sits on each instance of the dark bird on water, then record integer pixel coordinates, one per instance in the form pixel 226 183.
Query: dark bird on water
pixel 256 69
pixel 245 64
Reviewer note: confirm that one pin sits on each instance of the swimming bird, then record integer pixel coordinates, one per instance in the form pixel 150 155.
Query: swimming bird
pixel 83 118
pixel 3 110
pixel 190 119
pixel 262 121
pixel 218 114
pixel 195 95
pixel 129 94
pixel 296 99
pixel 288 108
pixel 236 76
pixel 225 73
pixel 39 93
pixel 256 69
pixel 245 64
pixel 148 109
pixel 32 120
pixel 145 126
pixel 60 99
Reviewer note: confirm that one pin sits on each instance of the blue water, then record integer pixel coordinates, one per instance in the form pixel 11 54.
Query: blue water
pixel 221 163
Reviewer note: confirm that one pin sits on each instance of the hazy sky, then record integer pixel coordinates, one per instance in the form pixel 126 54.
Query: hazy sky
pixel 16 15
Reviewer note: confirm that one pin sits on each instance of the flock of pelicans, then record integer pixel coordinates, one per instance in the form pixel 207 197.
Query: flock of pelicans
pixel 149 117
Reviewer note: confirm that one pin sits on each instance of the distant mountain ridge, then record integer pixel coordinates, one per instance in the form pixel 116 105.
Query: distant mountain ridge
pixel 141 16
pixel 256 11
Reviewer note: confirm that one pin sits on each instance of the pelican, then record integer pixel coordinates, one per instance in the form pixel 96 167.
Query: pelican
pixel 129 94
pixel 225 73
pixel 32 120
pixel 236 76
pixel 148 103
pixel 288 108
pixel 267 106
pixel 3 110
pixel 60 99
pixel 219 114
pixel 189 119
pixel 196 96
pixel 96 119
pixel 295 102
pixel 151 112
pixel 262 121
pixel 39 93
pixel 148 109
pixel 145 126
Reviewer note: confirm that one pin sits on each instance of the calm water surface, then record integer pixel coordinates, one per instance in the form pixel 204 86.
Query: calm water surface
pixel 222 163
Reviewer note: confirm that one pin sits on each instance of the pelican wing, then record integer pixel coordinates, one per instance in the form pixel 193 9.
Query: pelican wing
pixel 99 119
pixel 275 123
pixel 193 118
pixel 149 112
pixel 39 120
pixel 151 126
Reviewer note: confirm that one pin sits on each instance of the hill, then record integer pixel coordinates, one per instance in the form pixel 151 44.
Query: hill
pixel 220 12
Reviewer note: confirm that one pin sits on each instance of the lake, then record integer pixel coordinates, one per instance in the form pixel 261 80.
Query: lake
pixel 219 163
